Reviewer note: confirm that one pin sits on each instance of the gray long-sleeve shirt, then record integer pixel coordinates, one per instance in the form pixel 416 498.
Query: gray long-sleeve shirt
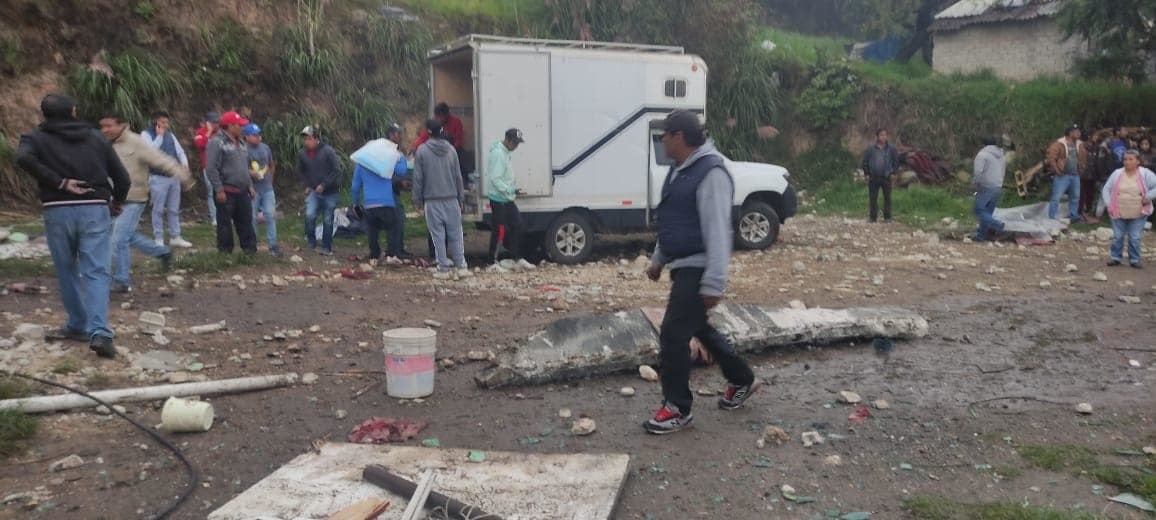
pixel 227 163
pixel 436 174
pixel 989 168
pixel 714 199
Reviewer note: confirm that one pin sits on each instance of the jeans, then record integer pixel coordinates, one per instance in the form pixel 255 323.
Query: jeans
pixel 1133 227
pixel 874 184
pixel 267 203
pixel 1062 184
pixel 396 238
pixel 78 238
pixel 507 224
pixel 212 198
pixel 378 219
pixel 443 218
pixel 124 235
pixel 986 200
pixel 165 193
pixel 325 204
pixel 686 317
pixel 236 213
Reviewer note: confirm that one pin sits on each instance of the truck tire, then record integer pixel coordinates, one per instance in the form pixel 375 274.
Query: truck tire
pixel 569 239
pixel 757 226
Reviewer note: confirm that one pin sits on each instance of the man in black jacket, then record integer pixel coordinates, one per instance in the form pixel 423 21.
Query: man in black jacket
pixel 320 171
pixel 79 174
pixel 879 162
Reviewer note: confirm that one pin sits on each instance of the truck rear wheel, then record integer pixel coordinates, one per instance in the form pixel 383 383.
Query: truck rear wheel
pixel 569 239
pixel 757 226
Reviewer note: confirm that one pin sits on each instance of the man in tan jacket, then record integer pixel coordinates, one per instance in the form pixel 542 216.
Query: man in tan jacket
pixel 138 156
pixel 1067 158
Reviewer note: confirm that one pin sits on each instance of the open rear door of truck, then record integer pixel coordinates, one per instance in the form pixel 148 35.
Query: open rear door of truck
pixel 514 92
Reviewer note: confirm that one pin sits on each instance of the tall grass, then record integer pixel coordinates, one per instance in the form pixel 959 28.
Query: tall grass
pixel 11 50
pixel 303 66
pixel 138 83
pixel 225 57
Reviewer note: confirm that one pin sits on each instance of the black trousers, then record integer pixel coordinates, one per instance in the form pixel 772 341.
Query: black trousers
pixel 236 213
pixel 686 318
pixel 507 223
pixel 396 239
pixel 377 220
pixel 874 184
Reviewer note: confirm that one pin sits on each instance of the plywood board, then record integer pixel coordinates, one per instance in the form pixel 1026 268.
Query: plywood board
pixel 512 485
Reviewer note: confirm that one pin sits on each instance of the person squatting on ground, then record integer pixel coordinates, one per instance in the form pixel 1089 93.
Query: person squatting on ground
pixel 79 175
pixel 500 189
pixel 139 159
pixel 439 193
pixel 320 172
pixel 228 171
pixel 1067 158
pixel 165 191
pixel 694 241
pixel 987 178
pixel 262 169
pixel 1128 194
pixel 208 129
pixel 373 197
pixel 880 162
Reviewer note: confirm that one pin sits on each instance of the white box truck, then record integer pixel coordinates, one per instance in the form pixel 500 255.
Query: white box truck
pixel 593 160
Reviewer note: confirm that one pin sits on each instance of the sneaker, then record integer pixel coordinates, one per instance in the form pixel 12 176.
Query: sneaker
pixel 120 288
pixel 442 275
pixel 464 272
pixel 180 242
pixel 275 252
pixel 325 252
pixel 735 396
pixel 496 268
pixel 102 345
pixel 393 260
pixel 1113 263
pixel 160 242
pixel 66 333
pixel 524 265
pixel 667 420
pixel 166 262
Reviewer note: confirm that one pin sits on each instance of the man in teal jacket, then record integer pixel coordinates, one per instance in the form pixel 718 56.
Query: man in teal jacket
pixel 506 220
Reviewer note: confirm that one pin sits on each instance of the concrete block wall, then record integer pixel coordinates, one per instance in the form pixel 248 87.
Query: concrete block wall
pixel 1015 51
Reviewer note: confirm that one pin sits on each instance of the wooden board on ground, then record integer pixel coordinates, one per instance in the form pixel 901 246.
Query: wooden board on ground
pixel 511 485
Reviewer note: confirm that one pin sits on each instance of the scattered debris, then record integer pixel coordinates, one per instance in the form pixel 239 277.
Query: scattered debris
pixel 1084 408
pixel 797 305
pixel 380 430
pixel 565 413
pixel 185 415
pixel 772 434
pixel 309 378
pixel 833 460
pixel 29 332
pixel 1134 501
pixel 478 355
pixel 476 456
pixel 432 442
pixel 647 373
pixel 812 438
pixel 789 494
pixel 55 403
pixel 626 391
pixel 208 328
pixel 340 414
pixel 860 416
pixel 1149 450
pixel 1134 363
pixel 367 509
pixel 583 426
pixel 1099 277
pixel 67 463
pixel 849 397
pixel 1071 268
pixel 1130 299
pixel 433 324
pixel 296 259
pixel 881 404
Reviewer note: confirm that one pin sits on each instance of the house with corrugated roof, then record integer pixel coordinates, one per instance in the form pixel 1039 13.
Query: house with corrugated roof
pixel 1016 39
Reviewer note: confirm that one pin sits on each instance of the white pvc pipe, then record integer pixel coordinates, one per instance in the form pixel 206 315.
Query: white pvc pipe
pixel 54 403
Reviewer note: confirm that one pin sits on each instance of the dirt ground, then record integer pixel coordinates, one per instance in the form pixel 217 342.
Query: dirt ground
pixel 1006 321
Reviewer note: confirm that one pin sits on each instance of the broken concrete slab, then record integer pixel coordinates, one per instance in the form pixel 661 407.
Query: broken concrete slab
pixel 592 345
pixel 533 486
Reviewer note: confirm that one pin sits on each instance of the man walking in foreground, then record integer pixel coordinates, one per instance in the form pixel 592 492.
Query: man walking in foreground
pixel 165 191
pixel 1067 158
pixel 879 162
pixel 694 241
pixel 320 170
pixel 987 178
pixel 138 158
pixel 507 221
pixel 78 173
pixel 228 171
pixel 438 191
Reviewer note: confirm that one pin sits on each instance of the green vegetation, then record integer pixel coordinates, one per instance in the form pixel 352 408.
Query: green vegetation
pixel 25 267
pixel 16 427
pixel 224 57
pixel 66 365
pixel 145 9
pixel 1059 456
pixel 12 388
pixel 827 99
pixel 935 508
pixel 11 49
pixel 1083 461
pixel 134 83
pixel 1120 31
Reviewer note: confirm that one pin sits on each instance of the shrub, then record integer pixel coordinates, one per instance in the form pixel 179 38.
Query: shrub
pixel 225 56
pixel 137 83
pixel 303 65
pixel 832 91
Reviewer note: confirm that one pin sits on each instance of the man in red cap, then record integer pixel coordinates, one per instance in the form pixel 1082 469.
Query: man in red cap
pixel 227 167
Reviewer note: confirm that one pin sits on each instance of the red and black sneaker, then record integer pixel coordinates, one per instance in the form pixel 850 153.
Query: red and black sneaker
pixel 737 395
pixel 668 419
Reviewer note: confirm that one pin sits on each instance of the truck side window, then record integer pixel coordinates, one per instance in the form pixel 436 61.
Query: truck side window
pixel 675 88
pixel 660 152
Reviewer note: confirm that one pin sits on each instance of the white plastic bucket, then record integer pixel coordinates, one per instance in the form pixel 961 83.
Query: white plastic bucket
pixel 409 362
pixel 183 415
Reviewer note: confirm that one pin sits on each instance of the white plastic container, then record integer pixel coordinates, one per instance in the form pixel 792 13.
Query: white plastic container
pixel 183 415
pixel 409 362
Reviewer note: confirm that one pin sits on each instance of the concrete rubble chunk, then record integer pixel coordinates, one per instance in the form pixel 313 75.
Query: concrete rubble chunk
pixel 833 460
pixel 279 281
pixel 626 391
pixel 583 426
pixel 647 373
pixel 1071 268
pixel 601 344
pixel 1099 277
pixel 1130 299
pixel 29 332
pixel 1084 408
pixel 296 259
pixel 849 397
pixel 812 438
pixel 309 378
pixel 881 404
pixel 207 328
pixel 151 323
pixel 433 324
pixel 1103 234
pixel 797 305
pixel 565 413
pixel 67 463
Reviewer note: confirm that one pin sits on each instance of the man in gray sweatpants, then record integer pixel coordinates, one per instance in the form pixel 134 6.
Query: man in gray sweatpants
pixel 438 192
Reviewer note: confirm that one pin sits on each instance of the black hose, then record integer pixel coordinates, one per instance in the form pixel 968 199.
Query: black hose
pixel 194 478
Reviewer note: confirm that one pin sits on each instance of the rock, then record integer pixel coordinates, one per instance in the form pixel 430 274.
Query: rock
pixel 29 332
pixel 1084 408
pixel 279 281
pixel 478 355
pixel 1130 299
pixel 1071 268
pixel 309 378
pixel 1044 284
pixel 833 460
pixel 103 410
pixel 296 259
pixel 849 397
pixel 69 462
pixel 647 373
pixel 151 322
pixel 1099 277
pixel 208 328
pixel 811 438
pixel 1103 234
pixel 980 286
pixel 626 391
pixel 315 329
pixel 584 426
pixel 433 324
pixel 773 434
pixel 340 414
pixel 565 413
pixel 446 363
pixel 175 279
pixel 881 404
pixel 799 267
pixel 1149 450
pixel 797 304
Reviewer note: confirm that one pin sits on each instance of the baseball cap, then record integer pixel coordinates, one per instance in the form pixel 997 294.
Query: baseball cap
pixel 1071 127
pixel 682 121
pixel 393 127
pixel 213 117
pixel 251 129
pixel 233 118
pixel 310 131
pixel 514 135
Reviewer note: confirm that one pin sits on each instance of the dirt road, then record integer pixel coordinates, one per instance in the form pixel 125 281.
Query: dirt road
pixel 1005 322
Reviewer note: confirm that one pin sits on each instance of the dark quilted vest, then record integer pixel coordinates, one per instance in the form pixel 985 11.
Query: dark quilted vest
pixel 679 230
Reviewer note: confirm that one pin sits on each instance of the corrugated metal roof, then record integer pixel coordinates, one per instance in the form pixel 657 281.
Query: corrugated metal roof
pixel 970 12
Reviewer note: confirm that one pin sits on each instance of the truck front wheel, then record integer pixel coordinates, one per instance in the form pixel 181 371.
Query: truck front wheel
pixel 570 239
pixel 757 226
